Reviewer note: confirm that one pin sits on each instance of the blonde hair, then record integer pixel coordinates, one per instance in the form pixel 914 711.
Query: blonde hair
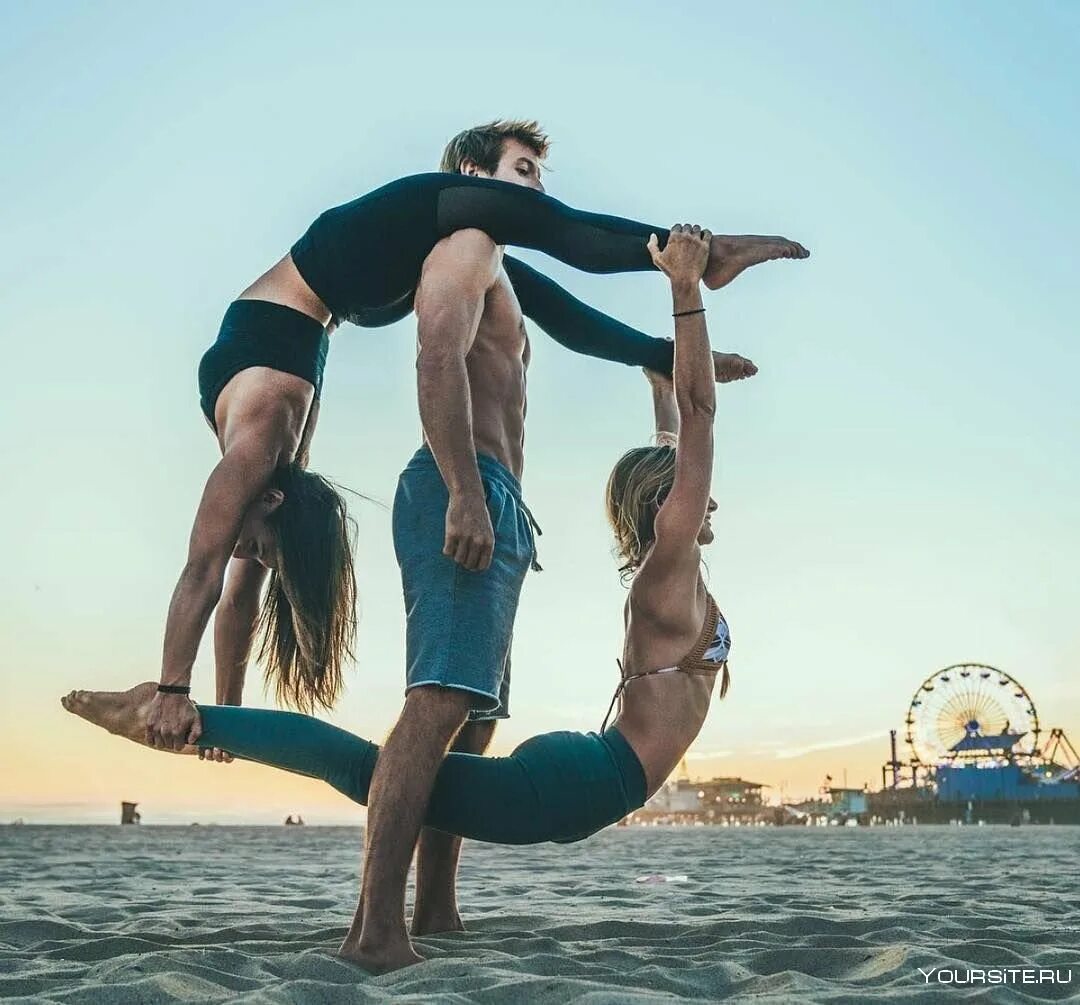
pixel 483 145
pixel 637 488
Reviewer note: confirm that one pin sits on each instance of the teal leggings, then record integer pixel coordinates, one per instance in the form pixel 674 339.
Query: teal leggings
pixel 555 787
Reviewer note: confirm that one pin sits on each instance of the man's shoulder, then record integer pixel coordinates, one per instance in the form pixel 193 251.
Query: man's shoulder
pixel 470 244
pixel 464 255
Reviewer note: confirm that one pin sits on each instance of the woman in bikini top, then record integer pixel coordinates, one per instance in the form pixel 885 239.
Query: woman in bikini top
pixel 708 656
pixel 659 506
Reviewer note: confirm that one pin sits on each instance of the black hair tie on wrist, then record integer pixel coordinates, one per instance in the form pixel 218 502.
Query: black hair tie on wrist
pixel 683 314
pixel 174 688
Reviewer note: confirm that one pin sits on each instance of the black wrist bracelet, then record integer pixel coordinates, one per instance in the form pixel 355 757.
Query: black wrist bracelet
pixel 682 314
pixel 174 688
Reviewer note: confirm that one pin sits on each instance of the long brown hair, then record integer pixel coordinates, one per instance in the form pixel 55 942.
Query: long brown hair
pixel 308 617
pixel 637 488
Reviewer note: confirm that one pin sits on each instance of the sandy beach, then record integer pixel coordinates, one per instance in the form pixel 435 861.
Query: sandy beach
pixel 213 914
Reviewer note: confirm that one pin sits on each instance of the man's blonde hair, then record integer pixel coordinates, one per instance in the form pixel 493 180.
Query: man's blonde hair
pixel 483 145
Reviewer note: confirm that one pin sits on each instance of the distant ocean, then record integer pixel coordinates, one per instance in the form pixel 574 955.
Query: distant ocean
pixel 214 914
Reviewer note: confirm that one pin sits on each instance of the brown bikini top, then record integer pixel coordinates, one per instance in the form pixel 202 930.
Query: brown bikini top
pixel 709 655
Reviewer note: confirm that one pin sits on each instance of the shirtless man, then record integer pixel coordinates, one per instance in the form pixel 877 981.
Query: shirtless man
pixel 464 541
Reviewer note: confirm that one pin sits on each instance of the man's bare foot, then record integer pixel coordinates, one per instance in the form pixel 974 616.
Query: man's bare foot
pixel 729 255
pixel 379 960
pixel 731 366
pixel 123 713
pixel 432 922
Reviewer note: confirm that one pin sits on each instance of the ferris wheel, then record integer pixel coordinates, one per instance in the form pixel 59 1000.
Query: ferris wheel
pixel 962 707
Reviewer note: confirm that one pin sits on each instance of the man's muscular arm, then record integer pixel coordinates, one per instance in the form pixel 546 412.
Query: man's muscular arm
pixel 449 304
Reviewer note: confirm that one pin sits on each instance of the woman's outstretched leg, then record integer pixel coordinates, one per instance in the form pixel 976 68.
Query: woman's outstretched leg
pixel 287 740
pixel 592 242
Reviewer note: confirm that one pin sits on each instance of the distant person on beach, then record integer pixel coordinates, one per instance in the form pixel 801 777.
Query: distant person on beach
pixel 262 513
pixel 560 786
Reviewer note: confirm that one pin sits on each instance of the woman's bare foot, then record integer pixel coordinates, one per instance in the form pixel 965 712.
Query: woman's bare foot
pixel 731 366
pixel 381 960
pixel 122 713
pixel 730 255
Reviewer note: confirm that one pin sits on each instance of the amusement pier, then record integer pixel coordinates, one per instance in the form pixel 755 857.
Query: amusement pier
pixel 974 753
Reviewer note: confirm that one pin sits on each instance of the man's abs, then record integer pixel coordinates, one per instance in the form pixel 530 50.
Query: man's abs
pixel 497 363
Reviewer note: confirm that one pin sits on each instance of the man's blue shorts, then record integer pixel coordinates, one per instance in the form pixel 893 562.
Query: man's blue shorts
pixel 459 623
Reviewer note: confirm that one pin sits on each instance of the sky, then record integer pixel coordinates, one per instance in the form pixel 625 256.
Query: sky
pixel 898 487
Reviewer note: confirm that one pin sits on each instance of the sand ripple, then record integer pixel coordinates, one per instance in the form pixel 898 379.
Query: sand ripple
pixel 94 915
